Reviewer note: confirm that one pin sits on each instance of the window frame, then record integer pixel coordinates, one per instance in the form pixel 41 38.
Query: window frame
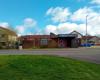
pixel 43 41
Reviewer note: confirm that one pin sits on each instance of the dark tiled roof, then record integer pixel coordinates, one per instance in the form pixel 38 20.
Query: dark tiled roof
pixel 89 37
pixel 31 37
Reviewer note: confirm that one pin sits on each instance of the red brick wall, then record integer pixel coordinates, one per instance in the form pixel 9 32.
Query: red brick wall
pixel 53 43
pixel 34 41
pixel 28 44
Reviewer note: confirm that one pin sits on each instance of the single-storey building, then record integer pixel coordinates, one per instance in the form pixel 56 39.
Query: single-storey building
pixel 50 41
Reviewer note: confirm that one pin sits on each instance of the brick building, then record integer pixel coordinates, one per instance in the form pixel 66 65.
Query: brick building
pixel 50 41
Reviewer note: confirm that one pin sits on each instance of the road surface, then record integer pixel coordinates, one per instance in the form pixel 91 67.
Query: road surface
pixel 87 54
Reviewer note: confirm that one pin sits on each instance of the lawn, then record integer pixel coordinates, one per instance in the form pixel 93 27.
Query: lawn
pixel 24 67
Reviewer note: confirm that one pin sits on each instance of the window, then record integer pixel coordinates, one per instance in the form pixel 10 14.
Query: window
pixel 3 43
pixel 44 42
pixel 3 35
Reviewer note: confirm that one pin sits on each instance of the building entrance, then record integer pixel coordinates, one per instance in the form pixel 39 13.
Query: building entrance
pixel 65 42
pixel 62 43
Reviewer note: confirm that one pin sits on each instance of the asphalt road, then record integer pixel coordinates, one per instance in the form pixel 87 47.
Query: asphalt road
pixel 87 54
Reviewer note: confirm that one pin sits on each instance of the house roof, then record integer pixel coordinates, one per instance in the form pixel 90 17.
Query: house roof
pixel 8 31
pixel 89 37
pixel 31 37
pixel 76 32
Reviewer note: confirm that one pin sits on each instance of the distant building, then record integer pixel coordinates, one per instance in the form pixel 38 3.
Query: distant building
pixel 7 38
pixel 50 41
pixel 91 39
pixel 95 39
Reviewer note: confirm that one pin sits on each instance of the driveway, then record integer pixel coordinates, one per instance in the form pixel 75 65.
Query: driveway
pixel 87 54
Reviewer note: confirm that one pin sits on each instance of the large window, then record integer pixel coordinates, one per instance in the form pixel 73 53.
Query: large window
pixel 44 41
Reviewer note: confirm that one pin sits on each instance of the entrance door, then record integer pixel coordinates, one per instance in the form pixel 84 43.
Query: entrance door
pixel 74 43
pixel 62 43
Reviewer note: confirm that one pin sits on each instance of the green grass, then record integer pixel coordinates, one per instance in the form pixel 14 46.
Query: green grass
pixel 46 68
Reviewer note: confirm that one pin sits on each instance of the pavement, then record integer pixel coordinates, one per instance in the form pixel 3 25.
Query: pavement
pixel 85 54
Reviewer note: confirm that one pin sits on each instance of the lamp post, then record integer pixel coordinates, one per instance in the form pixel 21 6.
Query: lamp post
pixel 86 30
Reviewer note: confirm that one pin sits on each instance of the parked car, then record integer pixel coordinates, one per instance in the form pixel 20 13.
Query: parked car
pixel 87 44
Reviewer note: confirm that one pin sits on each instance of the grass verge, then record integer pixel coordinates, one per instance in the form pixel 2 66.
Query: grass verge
pixel 46 68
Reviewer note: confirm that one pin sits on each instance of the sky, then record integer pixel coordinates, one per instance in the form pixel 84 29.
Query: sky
pixel 29 17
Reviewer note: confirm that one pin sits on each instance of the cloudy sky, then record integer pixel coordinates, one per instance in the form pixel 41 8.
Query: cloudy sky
pixel 45 16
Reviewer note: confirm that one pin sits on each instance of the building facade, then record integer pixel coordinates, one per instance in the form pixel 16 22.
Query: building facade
pixel 7 38
pixel 50 41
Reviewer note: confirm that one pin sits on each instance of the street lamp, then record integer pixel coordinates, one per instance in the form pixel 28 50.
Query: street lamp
pixel 86 30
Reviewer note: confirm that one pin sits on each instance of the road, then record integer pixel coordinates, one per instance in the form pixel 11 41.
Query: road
pixel 86 54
